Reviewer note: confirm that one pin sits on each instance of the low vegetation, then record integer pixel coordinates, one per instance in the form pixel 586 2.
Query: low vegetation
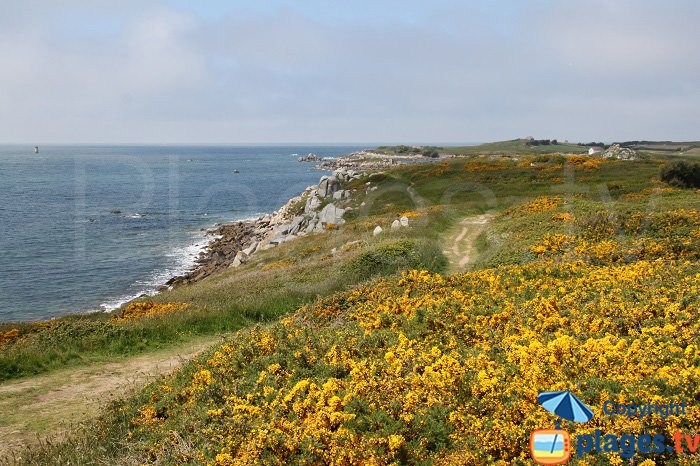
pixel 586 279
pixel 425 151
pixel 681 173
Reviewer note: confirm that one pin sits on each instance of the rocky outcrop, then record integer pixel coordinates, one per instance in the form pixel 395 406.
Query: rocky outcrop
pixel 367 160
pixel 620 153
pixel 308 158
pixel 233 244
pixel 331 215
pixel 325 205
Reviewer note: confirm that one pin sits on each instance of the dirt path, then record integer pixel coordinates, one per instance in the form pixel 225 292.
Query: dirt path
pixel 460 247
pixel 46 405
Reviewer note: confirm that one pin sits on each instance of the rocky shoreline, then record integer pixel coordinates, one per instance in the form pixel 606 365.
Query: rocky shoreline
pixel 318 208
pixel 369 160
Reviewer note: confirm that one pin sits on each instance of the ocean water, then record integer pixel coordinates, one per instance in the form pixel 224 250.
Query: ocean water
pixel 86 228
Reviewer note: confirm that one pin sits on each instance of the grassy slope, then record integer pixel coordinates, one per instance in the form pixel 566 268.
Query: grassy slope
pixel 296 273
pixel 511 147
pixel 238 297
pixel 519 147
pixel 46 406
pixel 516 146
pixel 600 200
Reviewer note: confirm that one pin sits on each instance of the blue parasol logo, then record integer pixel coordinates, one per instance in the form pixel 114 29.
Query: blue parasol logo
pixel 553 446
pixel 565 405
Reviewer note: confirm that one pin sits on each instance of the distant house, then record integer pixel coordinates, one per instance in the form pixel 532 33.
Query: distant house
pixel 594 150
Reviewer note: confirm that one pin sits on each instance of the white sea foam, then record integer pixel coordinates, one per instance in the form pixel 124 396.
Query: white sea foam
pixel 183 260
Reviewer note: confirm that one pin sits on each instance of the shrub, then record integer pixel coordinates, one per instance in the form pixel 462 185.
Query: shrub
pixel 143 309
pixel 682 174
pixel 387 259
pixel 549 159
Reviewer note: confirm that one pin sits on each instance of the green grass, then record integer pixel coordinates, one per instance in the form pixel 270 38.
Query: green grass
pixel 512 147
pixel 227 301
pixel 520 147
pixel 441 192
pixel 516 146
pixel 220 304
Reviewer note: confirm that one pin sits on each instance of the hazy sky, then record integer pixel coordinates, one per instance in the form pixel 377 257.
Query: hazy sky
pixel 347 71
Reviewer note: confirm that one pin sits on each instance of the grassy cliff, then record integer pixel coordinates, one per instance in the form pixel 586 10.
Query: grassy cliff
pixel 586 279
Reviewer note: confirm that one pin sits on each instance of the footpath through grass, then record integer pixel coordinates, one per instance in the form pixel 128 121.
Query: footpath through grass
pixel 435 196
pixel 44 407
pixel 590 266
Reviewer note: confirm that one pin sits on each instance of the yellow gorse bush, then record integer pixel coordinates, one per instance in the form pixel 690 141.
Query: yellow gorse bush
pixel 145 309
pixel 446 370
pixel 585 161
pixel 645 193
pixel 9 336
pixel 280 264
pixel 542 204
pixel 564 217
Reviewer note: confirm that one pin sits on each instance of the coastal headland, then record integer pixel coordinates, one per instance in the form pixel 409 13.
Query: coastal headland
pixel 455 285
pixel 319 208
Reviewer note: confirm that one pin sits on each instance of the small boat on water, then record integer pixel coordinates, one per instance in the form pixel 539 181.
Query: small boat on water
pixel 36 149
pixel 236 170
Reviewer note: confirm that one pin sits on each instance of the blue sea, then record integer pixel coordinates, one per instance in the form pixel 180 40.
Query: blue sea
pixel 85 228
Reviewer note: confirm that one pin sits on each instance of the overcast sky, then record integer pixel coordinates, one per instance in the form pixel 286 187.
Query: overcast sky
pixel 177 71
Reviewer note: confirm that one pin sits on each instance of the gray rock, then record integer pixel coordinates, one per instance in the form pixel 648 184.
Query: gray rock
pixel 308 158
pixel 240 259
pixel 296 224
pixel 312 224
pixel 323 187
pixel 331 215
pixel 377 230
pixel 251 249
pixel 278 240
pixel 404 221
pixel 312 204
pixel 338 194
pixel 395 225
pixel 333 186
pixel 620 153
